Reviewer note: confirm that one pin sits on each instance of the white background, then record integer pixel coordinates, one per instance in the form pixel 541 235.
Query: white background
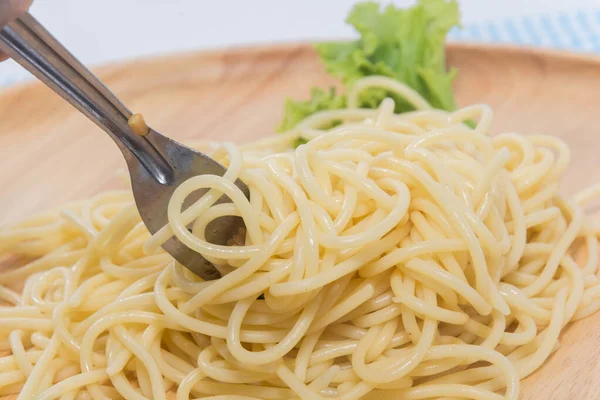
pixel 97 31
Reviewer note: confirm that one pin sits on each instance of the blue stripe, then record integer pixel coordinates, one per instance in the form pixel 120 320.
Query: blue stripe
pixel 550 31
pixel 474 31
pixel 456 33
pixel 570 31
pixel 512 31
pixel 494 33
pixel 590 34
pixel 532 32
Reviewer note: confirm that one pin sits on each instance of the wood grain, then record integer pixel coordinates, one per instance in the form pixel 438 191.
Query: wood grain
pixel 51 155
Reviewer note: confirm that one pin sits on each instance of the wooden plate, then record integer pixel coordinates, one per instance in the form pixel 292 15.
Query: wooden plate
pixel 51 155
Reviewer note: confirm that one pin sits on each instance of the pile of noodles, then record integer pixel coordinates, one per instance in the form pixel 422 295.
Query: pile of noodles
pixel 409 255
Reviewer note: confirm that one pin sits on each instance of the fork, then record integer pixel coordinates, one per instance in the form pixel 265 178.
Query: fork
pixel 157 164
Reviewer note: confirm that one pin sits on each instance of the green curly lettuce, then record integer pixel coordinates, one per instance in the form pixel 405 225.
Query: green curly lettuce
pixel 404 44
pixel 320 100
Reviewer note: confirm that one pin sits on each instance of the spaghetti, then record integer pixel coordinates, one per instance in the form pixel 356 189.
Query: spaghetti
pixel 408 255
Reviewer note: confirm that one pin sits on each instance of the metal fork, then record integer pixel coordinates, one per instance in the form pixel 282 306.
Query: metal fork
pixel 157 164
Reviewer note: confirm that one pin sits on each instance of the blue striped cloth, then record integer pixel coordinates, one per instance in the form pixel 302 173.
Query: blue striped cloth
pixel 577 31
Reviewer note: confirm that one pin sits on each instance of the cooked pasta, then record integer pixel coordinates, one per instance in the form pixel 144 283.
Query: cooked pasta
pixel 409 255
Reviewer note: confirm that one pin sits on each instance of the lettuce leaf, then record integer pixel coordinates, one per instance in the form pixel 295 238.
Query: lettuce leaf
pixel 404 44
pixel 320 100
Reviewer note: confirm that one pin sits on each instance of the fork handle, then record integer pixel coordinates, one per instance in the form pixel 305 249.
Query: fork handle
pixel 34 48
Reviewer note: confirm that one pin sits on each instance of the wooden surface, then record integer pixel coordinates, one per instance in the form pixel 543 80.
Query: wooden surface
pixel 51 155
